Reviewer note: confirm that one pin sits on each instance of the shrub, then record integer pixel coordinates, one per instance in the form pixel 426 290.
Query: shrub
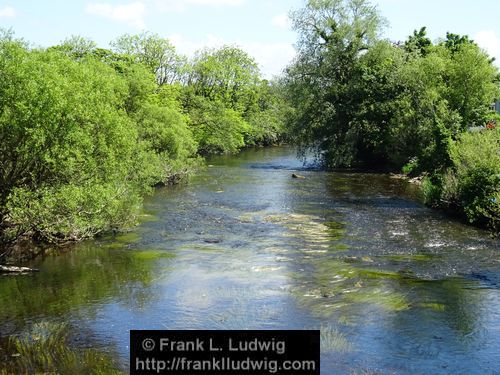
pixel 73 163
pixel 474 181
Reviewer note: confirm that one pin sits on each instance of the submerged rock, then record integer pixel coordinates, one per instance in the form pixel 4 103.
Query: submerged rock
pixel 14 269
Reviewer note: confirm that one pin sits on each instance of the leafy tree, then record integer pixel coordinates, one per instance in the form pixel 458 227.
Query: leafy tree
pixel 333 35
pixel 454 41
pixel 155 52
pixel 472 83
pixel 471 186
pixel 221 97
pixel 227 74
pixel 418 42
pixel 76 47
pixel 216 128
pixel 267 114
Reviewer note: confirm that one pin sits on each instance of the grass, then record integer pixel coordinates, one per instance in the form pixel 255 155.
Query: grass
pixel 45 350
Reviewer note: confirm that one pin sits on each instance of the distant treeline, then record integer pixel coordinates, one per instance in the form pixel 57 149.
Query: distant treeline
pixel 360 100
pixel 85 132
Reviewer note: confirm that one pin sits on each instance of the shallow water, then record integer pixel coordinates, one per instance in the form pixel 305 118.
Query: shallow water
pixel 395 287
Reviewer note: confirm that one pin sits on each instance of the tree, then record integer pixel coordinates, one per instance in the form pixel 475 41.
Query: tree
pixel 77 47
pixel 222 85
pixel 155 52
pixel 472 83
pixel 227 74
pixel 454 41
pixel 333 35
pixel 418 42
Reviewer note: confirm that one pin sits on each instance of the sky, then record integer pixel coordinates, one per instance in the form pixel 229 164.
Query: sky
pixel 260 27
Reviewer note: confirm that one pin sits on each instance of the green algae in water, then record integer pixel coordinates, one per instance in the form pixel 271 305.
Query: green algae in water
pixel 131 237
pixel 389 300
pixel 373 273
pixel 335 225
pixel 114 246
pixel 410 257
pixel 201 247
pixel 247 218
pixel 148 218
pixel 152 255
pixel 432 305
pixel 339 285
pixel 336 230
pixel 340 247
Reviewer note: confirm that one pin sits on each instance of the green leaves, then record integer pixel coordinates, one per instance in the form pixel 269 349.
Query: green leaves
pixel 85 131
pixel 229 106
pixel 156 53
pixel 80 142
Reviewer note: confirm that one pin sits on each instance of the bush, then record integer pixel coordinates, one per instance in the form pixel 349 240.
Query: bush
pixel 216 128
pixel 473 184
pixel 73 163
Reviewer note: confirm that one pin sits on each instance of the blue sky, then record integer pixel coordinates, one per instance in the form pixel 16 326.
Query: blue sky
pixel 258 26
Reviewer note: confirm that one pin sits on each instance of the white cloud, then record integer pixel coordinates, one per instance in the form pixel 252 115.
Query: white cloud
pixel 281 20
pixel 7 12
pixel 489 41
pixel 132 14
pixel 271 57
pixel 180 5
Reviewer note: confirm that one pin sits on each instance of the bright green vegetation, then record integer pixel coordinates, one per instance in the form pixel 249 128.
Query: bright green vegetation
pixel 360 100
pixel 472 184
pixel 85 132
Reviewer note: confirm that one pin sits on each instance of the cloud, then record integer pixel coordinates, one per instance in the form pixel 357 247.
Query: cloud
pixel 7 12
pixel 180 5
pixel 271 57
pixel 281 21
pixel 132 14
pixel 489 41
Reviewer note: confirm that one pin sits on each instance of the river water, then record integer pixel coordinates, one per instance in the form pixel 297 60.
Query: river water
pixel 395 287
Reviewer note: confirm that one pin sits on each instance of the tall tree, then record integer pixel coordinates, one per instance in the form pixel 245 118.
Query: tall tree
pixel 418 42
pixel 157 53
pixel 333 35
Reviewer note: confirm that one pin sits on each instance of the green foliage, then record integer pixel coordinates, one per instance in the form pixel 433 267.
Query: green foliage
pixel 474 181
pixel 418 42
pixel 267 115
pixel 228 105
pixel 410 167
pixel 332 37
pixel 166 132
pixel 359 100
pixel 228 75
pixel 155 52
pixel 65 147
pixel 76 47
pixel 216 128
pixel 453 42
pixel 81 141
pixel 471 83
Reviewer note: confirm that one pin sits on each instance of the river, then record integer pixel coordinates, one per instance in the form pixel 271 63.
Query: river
pixel 395 287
